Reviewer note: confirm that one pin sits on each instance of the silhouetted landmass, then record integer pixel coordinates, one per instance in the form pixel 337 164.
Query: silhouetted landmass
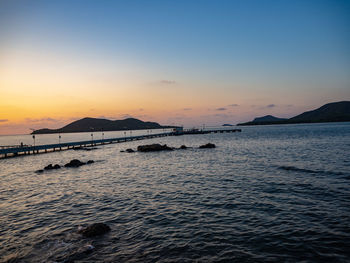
pixel 227 125
pixel 268 118
pixel 331 112
pixel 93 124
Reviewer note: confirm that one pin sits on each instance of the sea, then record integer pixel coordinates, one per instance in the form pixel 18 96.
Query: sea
pixel 267 194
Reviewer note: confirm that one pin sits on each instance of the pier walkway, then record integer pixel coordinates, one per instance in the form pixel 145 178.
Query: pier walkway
pixel 27 150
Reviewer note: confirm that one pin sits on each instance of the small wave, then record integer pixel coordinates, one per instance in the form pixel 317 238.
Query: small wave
pixel 302 170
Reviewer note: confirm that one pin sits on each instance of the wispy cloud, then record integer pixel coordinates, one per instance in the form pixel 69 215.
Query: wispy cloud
pixel 126 116
pixel 4 120
pixel 168 82
pixel 48 119
pixel 222 115
pixel 233 105
pixel 221 109
pixel 270 106
pixel 187 109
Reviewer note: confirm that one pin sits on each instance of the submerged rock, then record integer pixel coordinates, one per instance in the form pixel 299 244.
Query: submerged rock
pixel 77 148
pixel 48 167
pixel 95 229
pixel 129 150
pixel 90 161
pixel 39 171
pixel 51 167
pixel 74 255
pixel 74 163
pixel 208 145
pixel 153 148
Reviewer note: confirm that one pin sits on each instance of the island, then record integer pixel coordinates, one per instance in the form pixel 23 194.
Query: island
pixel 331 112
pixel 94 124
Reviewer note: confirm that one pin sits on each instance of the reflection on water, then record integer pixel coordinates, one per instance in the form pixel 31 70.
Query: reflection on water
pixel 267 194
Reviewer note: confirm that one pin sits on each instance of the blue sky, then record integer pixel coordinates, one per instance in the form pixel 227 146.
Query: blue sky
pixel 219 52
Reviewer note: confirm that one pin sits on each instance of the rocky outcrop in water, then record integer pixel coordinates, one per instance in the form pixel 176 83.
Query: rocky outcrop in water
pixel 77 163
pixel 52 167
pixel 74 163
pixel 49 167
pixel 208 145
pixel 95 229
pixel 183 147
pixel 153 148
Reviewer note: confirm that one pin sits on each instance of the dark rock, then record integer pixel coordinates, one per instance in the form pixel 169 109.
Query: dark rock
pixel 129 150
pixel 74 163
pixel 39 171
pixel 122 151
pixel 84 148
pixel 90 161
pixel 208 145
pixel 76 148
pixel 184 147
pixel 153 148
pixel 95 229
pixel 49 167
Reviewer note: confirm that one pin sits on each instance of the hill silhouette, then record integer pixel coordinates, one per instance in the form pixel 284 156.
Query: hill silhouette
pixel 331 112
pixel 93 124
pixel 268 118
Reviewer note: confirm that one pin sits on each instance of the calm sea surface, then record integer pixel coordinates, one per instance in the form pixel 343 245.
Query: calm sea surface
pixel 267 194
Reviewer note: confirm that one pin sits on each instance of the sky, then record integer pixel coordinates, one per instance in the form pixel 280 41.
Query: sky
pixel 175 62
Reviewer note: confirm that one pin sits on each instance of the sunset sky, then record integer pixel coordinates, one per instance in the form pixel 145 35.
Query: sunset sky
pixel 175 62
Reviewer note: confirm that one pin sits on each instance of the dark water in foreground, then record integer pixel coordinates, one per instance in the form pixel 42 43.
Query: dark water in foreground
pixel 269 194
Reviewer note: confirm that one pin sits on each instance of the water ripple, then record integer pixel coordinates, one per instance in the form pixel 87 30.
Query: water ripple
pixel 228 204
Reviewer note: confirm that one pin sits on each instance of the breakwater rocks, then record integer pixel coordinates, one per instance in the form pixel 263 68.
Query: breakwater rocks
pixel 72 163
pixel 156 147
pixel 153 148
pixel 208 145
pixel 129 150
pixel 52 167
pixel 95 229
pixel 77 163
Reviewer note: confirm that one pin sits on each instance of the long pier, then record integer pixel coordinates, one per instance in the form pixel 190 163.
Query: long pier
pixel 27 150
pixel 14 151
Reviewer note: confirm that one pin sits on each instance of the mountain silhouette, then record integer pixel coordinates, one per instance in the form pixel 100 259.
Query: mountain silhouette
pixel 93 124
pixel 331 112
pixel 268 118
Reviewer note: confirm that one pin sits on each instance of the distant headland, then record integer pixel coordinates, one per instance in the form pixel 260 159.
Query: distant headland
pixel 93 124
pixel 331 112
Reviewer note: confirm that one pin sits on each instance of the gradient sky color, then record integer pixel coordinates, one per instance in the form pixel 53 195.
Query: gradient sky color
pixel 175 62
